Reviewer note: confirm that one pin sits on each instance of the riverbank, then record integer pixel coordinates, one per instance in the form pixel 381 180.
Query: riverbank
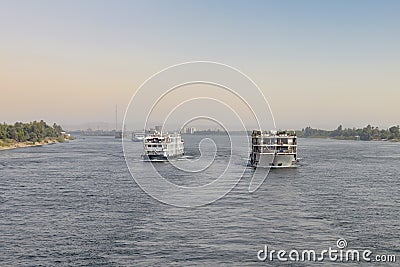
pixel 12 144
pixel 35 133
pixel 351 139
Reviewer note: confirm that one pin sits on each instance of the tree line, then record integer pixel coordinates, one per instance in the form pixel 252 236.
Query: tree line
pixel 367 133
pixel 30 132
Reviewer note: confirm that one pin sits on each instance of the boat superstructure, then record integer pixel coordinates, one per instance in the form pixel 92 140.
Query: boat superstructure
pixel 273 149
pixel 159 147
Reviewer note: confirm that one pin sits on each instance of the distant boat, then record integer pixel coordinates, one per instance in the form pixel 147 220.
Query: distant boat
pixel 138 136
pixel 273 149
pixel 118 134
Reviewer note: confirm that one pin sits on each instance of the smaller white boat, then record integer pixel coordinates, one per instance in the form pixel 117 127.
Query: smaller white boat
pixel 138 136
pixel 159 147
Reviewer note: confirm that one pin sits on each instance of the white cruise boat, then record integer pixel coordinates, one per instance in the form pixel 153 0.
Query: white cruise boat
pixel 159 147
pixel 273 149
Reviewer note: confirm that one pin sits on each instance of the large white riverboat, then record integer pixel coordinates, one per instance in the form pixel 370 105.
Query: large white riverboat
pixel 273 149
pixel 159 147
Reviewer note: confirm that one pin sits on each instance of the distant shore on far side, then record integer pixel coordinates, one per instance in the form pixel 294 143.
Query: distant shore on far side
pixel 368 133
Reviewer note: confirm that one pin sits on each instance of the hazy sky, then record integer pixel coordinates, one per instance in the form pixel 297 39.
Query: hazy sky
pixel 319 63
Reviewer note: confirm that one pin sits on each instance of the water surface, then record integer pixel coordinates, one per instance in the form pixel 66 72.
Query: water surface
pixel 76 204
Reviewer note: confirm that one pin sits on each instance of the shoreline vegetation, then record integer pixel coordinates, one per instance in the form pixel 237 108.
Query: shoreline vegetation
pixel 368 133
pixel 30 134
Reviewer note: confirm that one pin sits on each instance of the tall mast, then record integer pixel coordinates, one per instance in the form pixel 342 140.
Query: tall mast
pixel 116 117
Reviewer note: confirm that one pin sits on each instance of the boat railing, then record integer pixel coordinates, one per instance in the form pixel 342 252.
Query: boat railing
pixel 275 145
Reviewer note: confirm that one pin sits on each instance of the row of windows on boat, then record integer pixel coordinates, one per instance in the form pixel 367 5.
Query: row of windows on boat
pixel 154 145
pixel 278 149
pixel 270 141
pixel 157 145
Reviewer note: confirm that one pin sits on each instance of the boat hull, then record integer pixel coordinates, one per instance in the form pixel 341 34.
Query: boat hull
pixel 268 160
pixel 158 157
pixel 154 158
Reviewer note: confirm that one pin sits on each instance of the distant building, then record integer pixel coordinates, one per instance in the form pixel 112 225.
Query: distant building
pixel 189 130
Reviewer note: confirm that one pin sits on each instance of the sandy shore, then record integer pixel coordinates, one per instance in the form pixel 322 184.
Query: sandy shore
pixel 28 144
